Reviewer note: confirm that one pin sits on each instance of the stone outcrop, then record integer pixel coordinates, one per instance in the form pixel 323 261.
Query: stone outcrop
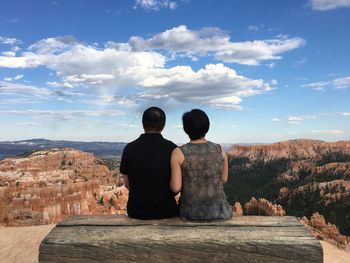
pixel 293 150
pixel 47 186
pixel 237 209
pixel 324 231
pixel 263 207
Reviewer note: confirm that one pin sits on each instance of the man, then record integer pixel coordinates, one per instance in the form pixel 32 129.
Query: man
pixel 145 166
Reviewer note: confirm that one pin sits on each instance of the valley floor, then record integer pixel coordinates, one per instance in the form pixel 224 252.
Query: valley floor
pixel 21 245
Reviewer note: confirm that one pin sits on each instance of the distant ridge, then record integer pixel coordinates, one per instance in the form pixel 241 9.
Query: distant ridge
pixel 100 149
pixel 292 149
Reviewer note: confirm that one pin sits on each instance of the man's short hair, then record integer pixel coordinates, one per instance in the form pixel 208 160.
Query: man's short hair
pixel 153 119
pixel 195 123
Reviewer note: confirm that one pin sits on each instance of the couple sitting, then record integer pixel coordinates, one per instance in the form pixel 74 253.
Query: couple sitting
pixel 155 170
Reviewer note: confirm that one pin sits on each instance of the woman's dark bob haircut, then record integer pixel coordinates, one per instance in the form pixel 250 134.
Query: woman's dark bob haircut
pixel 153 119
pixel 195 123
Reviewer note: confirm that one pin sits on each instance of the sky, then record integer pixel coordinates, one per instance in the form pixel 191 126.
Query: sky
pixel 263 71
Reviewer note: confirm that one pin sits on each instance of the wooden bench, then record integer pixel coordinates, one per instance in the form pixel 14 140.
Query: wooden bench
pixel 107 238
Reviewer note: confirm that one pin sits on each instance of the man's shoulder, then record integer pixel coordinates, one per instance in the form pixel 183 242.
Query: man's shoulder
pixel 132 144
pixel 169 143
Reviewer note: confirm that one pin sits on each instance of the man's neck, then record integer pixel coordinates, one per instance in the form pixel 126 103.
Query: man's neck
pixel 153 132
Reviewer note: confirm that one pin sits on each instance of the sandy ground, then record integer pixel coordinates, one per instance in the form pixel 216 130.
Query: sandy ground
pixel 21 245
pixel 334 255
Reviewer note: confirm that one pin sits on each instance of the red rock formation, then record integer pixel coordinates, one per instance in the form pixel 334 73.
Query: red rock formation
pixel 237 209
pixel 115 199
pixel 263 207
pixel 293 149
pixel 284 191
pixel 48 185
pixel 322 230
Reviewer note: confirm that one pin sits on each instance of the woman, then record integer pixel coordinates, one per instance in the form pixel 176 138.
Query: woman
pixel 199 169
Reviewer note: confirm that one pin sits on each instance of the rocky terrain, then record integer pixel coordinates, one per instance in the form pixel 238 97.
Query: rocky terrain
pixel 262 207
pixel 301 149
pixel 303 176
pixel 48 185
pixel 325 231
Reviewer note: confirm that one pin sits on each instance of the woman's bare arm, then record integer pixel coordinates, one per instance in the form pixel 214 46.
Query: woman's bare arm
pixel 224 175
pixel 176 161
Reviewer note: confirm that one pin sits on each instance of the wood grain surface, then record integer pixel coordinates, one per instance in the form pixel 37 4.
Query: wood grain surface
pixel 122 239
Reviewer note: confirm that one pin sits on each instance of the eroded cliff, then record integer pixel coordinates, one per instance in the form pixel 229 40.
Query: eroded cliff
pixel 49 185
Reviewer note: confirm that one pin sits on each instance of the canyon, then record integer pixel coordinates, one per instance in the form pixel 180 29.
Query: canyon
pixel 303 176
pixel 298 177
pixel 48 185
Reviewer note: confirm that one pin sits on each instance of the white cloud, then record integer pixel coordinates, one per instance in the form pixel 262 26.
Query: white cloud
pixel 63 115
pixel 327 131
pixel 53 45
pixel 323 5
pixel 8 53
pixel 22 93
pixel 342 83
pixel 138 67
pixel 317 85
pixel 300 119
pixel 274 82
pixel 253 28
pixel 276 120
pixel 58 85
pixel 125 125
pixel 17 77
pixel 9 40
pixel 155 4
pixel 29 123
pixel 7 88
pixel 344 113
pixel 15 49
pixel 16 101
pixel 214 40
pixel 295 120
pixel 301 62
pixel 125 101
pixel 27 61
pixel 215 85
pixel 92 79
pixel 252 52
pixel 338 83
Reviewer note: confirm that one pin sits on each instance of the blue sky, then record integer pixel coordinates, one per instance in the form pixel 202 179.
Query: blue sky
pixel 264 71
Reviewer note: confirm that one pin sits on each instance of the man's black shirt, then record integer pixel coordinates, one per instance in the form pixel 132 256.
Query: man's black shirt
pixel 146 162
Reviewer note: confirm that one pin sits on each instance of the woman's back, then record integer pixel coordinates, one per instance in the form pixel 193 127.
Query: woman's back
pixel 202 195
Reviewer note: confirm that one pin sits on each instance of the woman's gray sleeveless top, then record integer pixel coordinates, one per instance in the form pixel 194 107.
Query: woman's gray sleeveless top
pixel 202 194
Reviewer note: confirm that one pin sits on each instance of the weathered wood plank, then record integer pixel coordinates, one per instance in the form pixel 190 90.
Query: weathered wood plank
pixel 112 220
pixel 121 239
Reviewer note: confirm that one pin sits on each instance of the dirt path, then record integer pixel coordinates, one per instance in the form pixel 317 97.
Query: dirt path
pixel 21 245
